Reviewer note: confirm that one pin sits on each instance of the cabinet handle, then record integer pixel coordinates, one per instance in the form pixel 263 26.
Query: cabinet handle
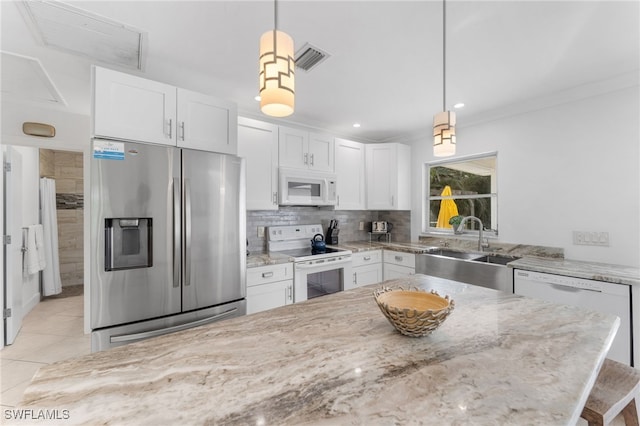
pixel 306 158
pixel 312 159
pixel 392 200
pixel 275 198
pixel 289 293
pixel 338 202
pixel 182 130
pixel 366 258
pixel 399 258
pixel 355 278
pixel 170 124
pixel 267 274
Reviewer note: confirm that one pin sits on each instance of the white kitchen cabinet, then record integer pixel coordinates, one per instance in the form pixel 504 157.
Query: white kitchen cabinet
pixel 388 170
pixel 138 109
pixel 366 267
pixel 269 287
pixel 206 123
pixel 304 150
pixel 258 144
pixel 398 264
pixel 350 171
pixel 133 108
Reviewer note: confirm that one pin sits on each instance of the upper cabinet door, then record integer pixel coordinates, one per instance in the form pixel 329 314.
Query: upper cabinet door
pixel 321 152
pixel 349 162
pixel 258 145
pixel 206 123
pixel 388 168
pixel 294 145
pixel 303 150
pixel 133 108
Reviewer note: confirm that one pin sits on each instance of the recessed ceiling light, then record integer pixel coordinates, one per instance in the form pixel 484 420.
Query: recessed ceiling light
pixel 459 105
pixel 257 98
pixel 356 125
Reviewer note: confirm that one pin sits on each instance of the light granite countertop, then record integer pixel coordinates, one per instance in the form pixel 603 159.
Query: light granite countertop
pixel 266 258
pixel 498 359
pixel 617 274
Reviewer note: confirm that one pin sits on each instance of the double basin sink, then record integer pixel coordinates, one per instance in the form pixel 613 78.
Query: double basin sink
pixel 483 269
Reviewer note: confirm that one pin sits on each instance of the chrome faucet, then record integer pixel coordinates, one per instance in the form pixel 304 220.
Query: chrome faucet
pixel 459 230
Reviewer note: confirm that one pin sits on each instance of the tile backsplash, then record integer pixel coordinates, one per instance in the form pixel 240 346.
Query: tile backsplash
pixel 349 222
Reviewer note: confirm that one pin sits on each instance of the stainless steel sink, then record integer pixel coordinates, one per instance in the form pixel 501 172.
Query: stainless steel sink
pixel 486 270
pixel 453 253
pixel 492 258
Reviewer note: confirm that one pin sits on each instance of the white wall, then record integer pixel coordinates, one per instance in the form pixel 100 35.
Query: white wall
pixel 571 167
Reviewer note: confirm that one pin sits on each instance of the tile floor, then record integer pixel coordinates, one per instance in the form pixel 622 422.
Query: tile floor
pixel 52 331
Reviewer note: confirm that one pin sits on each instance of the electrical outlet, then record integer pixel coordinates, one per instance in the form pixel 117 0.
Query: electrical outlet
pixel 583 238
pixel 260 231
pixel 361 228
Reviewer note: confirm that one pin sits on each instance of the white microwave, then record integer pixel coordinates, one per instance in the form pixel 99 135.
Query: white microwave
pixel 305 188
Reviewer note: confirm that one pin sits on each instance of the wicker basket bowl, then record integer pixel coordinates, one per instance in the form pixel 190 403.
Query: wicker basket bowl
pixel 413 312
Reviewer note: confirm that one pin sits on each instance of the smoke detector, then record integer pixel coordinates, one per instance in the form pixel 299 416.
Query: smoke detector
pixel 309 56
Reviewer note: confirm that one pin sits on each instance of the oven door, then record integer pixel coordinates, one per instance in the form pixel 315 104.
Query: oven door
pixel 315 278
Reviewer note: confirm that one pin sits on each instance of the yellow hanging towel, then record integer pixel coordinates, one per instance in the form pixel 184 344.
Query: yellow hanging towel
pixel 448 209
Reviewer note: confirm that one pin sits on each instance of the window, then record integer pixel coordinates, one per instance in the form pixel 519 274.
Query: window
pixel 462 186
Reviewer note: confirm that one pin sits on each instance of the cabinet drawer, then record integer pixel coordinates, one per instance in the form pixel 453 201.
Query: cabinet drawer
pixel 400 258
pixel 366 258
pixel 269 274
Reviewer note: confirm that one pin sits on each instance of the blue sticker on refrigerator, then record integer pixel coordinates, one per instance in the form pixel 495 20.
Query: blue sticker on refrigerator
pixel 108 150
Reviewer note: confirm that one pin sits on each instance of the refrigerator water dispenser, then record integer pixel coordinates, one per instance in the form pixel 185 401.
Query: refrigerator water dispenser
pixel 128 243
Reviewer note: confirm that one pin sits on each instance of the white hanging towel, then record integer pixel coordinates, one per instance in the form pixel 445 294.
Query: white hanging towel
pixel 34 256
pixel 51 282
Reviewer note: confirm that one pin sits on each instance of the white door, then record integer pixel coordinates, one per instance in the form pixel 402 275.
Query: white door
pixel 349 164
pixel 321 152
pixel 133 108
pixel 293 148
pixel 13 254
pixel 204 123
pixel 258 145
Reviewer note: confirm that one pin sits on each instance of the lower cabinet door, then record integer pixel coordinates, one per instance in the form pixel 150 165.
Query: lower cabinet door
pixel 268 296
pixel 368 274
pixel 392 271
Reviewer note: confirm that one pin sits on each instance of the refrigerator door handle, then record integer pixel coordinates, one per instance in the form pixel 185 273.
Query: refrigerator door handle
pixel 162 331
pixel 176 232
pixel 187 232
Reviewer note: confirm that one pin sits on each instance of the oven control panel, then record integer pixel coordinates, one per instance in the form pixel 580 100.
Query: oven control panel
pixel 294 232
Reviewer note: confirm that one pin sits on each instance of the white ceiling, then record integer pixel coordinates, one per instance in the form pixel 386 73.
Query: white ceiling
pixel 385 71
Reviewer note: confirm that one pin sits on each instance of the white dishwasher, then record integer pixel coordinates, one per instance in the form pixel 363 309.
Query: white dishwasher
pixel 589 294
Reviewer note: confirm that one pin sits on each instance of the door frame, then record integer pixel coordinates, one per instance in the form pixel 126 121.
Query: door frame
pixel 61 145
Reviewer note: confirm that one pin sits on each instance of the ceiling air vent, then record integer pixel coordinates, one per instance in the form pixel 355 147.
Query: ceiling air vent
pixel 308 57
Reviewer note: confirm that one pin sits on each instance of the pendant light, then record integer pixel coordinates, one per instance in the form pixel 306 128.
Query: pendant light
pixel 444 130
pixel 277 66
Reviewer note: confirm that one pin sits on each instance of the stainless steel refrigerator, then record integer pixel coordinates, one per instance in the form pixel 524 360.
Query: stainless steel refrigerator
pixel 168 244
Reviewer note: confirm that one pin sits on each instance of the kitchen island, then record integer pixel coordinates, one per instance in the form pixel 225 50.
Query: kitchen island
pixel 497 359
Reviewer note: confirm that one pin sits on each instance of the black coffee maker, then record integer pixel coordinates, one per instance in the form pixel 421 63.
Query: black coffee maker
pixel 332 233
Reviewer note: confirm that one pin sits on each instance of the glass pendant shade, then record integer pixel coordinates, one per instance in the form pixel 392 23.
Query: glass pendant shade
pixel 277 74
pixel 444 134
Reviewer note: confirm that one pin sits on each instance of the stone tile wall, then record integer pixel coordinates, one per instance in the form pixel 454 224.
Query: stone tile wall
pixel 66 169
pixel 349 222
